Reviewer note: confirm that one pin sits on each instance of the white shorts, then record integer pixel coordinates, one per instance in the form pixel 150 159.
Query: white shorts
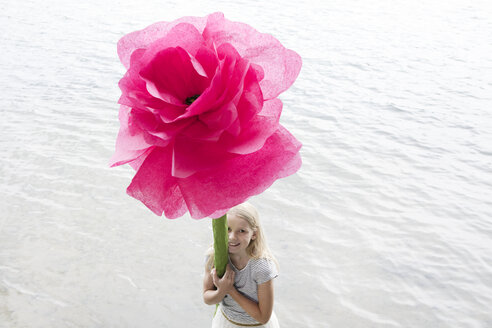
pixel 220 321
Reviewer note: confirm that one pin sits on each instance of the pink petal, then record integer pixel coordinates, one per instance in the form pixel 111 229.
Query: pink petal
pixel 198 67
pixel 155 187
pixel 191 156
pixel 132 86
pixel 213 192
pixel 170 76
pixel 143 38
pixel 253 135
pixel 234 78
pixel 154 126
pixel 135 164
pixel 208 60
pixel 136 95
pixel 260 74
pixel 201 132
pixel 221 118
pixel 281 66
pixel 235 128
pixel 210 98
pixel 251 101
pixel 131 141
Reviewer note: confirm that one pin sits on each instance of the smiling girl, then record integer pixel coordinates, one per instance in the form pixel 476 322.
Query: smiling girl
pixel 245 292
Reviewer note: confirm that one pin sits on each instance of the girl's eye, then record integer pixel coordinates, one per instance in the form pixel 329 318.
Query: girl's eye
pixel 242 230
pixel 229 229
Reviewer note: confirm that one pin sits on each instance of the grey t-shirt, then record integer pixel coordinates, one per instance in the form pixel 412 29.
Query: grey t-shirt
pixel 256 272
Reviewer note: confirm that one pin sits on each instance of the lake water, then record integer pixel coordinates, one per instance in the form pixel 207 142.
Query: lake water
pixel 387 224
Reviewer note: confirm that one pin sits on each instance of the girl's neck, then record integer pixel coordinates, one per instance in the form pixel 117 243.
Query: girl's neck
pixel 239 260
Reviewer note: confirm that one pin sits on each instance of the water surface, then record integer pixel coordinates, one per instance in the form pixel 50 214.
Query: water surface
pixel 387 224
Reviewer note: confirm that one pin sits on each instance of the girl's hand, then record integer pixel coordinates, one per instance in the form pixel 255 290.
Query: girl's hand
pixel 226 283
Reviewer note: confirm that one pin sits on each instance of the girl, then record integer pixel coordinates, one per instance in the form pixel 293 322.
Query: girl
pixel 245 292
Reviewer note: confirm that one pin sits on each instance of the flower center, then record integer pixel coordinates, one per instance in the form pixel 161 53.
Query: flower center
pixel 191 99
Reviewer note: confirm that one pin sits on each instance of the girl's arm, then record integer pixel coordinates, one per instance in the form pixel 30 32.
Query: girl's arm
pixel 215 288
pixel 262 310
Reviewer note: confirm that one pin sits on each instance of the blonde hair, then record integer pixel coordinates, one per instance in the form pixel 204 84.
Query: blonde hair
pixel 258 247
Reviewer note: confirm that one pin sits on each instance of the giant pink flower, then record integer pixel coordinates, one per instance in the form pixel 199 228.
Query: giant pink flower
pixel 199 114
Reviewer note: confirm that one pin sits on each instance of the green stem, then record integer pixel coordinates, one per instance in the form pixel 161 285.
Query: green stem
pixel 221 240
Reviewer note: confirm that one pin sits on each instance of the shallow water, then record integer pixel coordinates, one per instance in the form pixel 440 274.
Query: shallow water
pixel 387 224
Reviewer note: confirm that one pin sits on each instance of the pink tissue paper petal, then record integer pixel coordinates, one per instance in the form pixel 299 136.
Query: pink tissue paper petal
pixel 199 114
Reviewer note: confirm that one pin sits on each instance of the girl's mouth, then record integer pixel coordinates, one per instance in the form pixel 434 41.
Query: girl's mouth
pixel 233 245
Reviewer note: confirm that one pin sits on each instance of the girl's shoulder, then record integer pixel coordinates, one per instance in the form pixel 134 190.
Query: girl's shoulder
pixel 263 269
pixel 262 261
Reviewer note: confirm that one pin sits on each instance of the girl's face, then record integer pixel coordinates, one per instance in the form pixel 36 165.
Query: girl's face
pixel 240 235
